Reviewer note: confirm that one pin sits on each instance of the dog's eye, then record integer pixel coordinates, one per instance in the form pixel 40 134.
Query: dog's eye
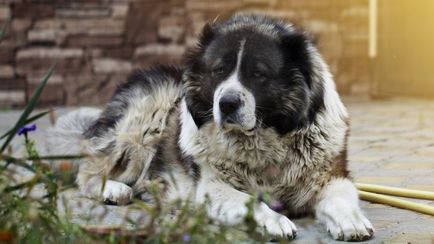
pixel 219 70
pixel 258 74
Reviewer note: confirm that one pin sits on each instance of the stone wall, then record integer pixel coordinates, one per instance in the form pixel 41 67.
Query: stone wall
pixel 98 42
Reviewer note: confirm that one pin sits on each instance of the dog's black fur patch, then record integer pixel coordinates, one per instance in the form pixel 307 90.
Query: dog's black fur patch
pixel 276 67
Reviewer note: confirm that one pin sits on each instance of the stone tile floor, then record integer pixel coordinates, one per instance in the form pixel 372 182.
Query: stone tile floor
pixel 391 143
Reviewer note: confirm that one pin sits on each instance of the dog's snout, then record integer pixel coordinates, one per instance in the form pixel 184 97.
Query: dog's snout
pixel 229 104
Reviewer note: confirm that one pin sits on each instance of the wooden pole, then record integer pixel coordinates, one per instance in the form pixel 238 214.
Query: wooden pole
pixel 395 191
pixel 396 202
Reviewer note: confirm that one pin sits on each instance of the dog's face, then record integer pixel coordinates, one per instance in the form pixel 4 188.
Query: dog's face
pixel 252 72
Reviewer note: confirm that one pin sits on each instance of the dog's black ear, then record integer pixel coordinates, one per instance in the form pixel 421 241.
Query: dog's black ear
pixel 194 54
pixel 299 52
pixel 296 51
pixel 199 110
pixel 198 95
pixel 206 35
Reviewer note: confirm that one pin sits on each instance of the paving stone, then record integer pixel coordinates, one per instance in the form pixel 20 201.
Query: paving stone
pixel 12 98
pixel 12 84
pixel 6 71
pixel 142 24
pixel 419 238
pixel 171 28
pixel 43 52
pixel 45 35
pixel 33 9
pixel 109 65
pixel 94 41
pixel 82 12
pixel 5 12
pixel 387 180
pixel 120 10
pixel 410 166
pixel 158 49
pixel 84 26
pixel 19 25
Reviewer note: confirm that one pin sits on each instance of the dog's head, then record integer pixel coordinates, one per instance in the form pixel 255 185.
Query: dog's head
pixel 252 72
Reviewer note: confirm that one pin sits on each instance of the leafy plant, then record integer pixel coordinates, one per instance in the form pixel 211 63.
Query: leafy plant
pixel 29 206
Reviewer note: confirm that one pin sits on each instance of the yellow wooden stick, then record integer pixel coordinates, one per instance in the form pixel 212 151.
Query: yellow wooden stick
pixel 395 191
pixel 396 202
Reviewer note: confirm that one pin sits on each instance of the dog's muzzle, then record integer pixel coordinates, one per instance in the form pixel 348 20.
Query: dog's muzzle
pixel 234 107
pixel 229 105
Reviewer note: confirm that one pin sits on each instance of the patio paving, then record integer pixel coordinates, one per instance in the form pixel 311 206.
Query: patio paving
pixel 391 143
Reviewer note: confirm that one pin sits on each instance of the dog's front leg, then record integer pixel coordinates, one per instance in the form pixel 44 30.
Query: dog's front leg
pixel 228 206
pixel 112 192
pixel 338 208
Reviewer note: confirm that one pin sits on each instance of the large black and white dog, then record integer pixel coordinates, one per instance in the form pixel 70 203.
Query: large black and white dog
pixel 255 110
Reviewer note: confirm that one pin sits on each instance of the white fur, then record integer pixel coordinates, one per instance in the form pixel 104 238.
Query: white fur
pixel 339 210
pixel 332 102
pixel 180 186
pixel 67 136
pixel 233 86
pixel 136 135
pixel 111 191
pixel 189 131
pixel 246 112
pixel 117 192
pixel 139 131
pixel 228 206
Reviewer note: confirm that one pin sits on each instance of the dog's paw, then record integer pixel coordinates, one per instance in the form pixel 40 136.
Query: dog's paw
pixel 281 228
pixel 352 226
pixel 117 193
pixel 276 225
pixel 340 212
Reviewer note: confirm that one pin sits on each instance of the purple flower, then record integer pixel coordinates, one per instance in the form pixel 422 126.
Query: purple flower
pixel 277 206
pixel 27 128
pixel 186 238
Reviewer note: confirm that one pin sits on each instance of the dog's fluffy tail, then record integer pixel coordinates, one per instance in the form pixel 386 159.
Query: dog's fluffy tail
pixel 66 137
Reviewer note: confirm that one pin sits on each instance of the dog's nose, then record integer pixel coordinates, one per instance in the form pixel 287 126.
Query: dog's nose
pixel 229 104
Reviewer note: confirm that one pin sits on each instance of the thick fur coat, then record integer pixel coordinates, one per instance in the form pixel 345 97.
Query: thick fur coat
pixel 254 110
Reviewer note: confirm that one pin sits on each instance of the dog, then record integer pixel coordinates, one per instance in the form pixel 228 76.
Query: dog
pixel 255 109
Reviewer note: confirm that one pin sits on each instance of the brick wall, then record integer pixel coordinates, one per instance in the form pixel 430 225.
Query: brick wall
pixel 98 42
